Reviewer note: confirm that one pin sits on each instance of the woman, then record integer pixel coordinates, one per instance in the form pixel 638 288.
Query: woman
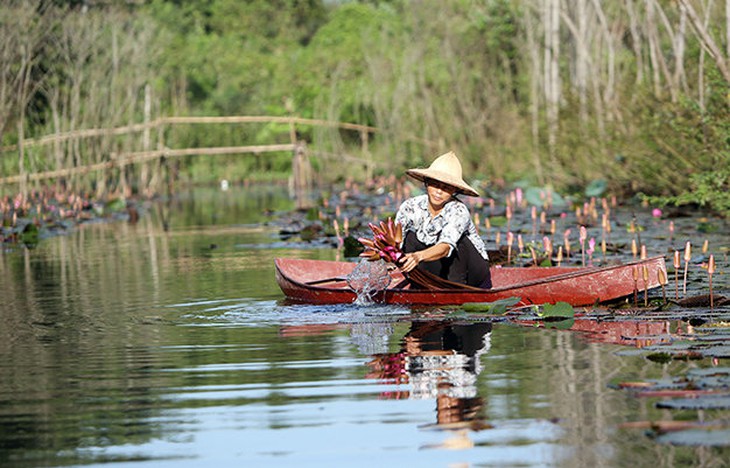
pixel 438 233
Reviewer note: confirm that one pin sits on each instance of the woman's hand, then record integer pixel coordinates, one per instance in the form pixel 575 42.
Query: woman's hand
pixel 410 261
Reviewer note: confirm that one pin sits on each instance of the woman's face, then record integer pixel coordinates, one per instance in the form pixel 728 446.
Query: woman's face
pixel 439 193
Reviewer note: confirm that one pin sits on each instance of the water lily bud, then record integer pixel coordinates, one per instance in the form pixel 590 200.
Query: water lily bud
pixel 711 265
pixel 676 259
pixel 661 276
pixel 687 252
pixel 547 245
pixel 705 246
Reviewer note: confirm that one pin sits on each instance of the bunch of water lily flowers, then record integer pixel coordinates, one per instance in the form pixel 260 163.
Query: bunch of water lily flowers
pixel 385 244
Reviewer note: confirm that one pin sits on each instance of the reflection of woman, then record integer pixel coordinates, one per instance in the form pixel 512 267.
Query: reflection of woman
pixel 439 235
pixel 440 360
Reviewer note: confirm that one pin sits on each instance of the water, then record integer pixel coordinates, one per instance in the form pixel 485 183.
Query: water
pixel 168 343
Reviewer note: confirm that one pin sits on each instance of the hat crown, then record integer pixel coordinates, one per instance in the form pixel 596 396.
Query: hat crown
pixel 446 169
pixel 448 164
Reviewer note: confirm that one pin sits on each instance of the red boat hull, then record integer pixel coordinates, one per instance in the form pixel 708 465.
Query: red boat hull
pixel 322 282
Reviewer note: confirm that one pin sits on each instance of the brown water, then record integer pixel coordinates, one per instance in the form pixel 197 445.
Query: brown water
pixel 132 345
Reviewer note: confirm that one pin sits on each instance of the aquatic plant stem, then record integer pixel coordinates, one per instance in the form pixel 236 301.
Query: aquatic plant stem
pixel 635 273
pixel 662 277
pixel 677 264
pixel 710 272
pixel 687 258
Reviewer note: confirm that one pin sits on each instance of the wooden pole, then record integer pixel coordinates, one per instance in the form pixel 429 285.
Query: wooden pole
pixel 301 173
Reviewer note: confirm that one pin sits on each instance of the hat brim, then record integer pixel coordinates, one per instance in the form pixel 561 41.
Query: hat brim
pixel 462 187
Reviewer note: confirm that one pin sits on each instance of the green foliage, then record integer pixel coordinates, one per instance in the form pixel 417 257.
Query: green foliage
pixel 429 75
pixel 707 189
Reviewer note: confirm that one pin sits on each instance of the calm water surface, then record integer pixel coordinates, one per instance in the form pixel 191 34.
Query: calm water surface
pixel 136 345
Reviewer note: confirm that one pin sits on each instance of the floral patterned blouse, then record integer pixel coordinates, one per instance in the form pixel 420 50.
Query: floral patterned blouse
pixel 447 226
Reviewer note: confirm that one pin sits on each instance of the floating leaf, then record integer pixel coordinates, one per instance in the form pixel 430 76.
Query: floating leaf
pixel 697 437
pixel 537 196
pixel 498 221
pixel 717 351
pixel 706 227
pixel 494 308
pixel 705 402
pixel 559 309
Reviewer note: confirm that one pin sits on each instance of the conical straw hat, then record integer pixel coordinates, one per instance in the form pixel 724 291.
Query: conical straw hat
pixel 447 169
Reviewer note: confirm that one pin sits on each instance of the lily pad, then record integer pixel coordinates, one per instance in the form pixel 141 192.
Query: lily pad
pixel 495 308
pixel 697 437
pixel 717 351
pixel 537 196
pixel 559 309
pixel 708 402
pixel 709 372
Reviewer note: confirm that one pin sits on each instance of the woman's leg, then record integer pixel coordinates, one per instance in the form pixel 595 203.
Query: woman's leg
pixel 465 265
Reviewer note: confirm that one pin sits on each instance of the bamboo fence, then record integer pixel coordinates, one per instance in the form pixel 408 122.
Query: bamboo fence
pixel 301 170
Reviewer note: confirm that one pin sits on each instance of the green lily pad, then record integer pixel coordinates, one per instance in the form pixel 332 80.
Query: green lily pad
pixel 536 196
pixel 494 308
pixel 559 309
pixel 498 221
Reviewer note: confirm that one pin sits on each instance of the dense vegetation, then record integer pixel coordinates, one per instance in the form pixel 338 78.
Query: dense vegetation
pixel 547 92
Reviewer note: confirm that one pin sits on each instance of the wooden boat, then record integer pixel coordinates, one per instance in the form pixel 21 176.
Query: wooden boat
pixel 325 282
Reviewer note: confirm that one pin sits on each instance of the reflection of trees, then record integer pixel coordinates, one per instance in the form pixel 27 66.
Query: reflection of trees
pixel 85 325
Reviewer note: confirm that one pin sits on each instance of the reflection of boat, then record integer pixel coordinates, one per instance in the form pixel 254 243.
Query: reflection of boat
pixel 636 333
pixel 326 282
pixel 631 333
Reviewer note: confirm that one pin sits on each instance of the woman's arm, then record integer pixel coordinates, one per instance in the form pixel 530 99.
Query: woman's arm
pixel 429 254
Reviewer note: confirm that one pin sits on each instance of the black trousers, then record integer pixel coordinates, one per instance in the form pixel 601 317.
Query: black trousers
pixel 465 265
